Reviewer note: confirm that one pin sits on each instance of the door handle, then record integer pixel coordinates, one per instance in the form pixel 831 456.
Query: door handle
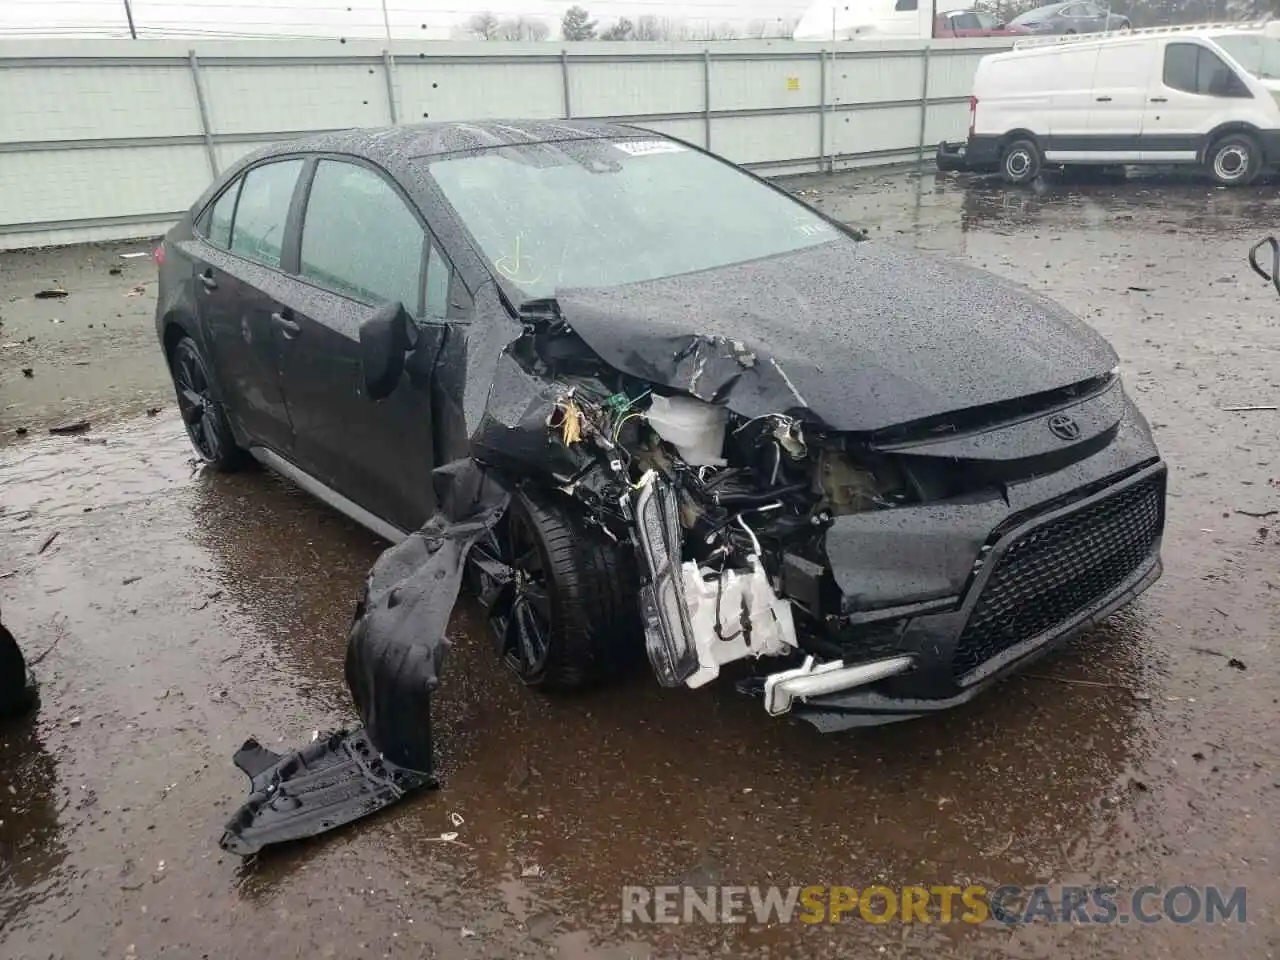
pixel 1103 99
pixel 208 280
pixel 286 325
pixel 1159 99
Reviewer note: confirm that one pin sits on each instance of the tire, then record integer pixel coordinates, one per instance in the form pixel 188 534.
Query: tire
pixel 1020 162
pixel 203 416
pixel 1235 160
pixel 564 620
pixel 16 693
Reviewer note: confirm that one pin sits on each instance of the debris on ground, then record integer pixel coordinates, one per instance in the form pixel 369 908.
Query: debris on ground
pixel 75 426
pixel 1236 663
pixel 152 411
pixel 53 293
pixel 1248 409
pixel 28 372
pixel 48 542
pixel 134 255
pixel 115 271
pixel 1258 514
pixel 137 291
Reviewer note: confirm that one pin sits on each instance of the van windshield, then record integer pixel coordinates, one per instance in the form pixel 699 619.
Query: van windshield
pixel 601 213
pixel 1259 55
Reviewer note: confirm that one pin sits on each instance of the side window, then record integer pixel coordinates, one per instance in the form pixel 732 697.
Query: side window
pixel 258 231
pixel 967 21
pixel 359 237
pixel 1195 69
pixel 437 285
pixel 216 222
pixel 907 5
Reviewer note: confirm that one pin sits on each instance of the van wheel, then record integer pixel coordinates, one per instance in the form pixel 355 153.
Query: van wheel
pixel 1020 162
pixel 1235 160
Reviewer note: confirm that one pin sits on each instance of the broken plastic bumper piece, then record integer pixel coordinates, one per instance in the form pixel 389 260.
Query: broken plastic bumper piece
pixel 333 781
pixel 811 679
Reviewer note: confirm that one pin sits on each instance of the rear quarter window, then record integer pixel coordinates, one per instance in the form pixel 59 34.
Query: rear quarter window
pixel 215 225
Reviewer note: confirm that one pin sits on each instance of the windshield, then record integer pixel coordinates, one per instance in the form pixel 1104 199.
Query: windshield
pixel 600 213
pixel 1259 55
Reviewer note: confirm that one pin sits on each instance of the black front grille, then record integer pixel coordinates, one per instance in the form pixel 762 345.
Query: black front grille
pixel 1056 571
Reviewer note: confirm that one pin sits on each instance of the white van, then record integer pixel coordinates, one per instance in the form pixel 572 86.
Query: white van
pixel 1207 94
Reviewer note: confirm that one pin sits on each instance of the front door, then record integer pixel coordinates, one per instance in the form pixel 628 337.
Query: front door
pixel 1196 91
pixel 238 280
pixel 362 245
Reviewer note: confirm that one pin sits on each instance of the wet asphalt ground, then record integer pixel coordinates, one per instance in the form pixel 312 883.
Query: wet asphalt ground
pixel 176 612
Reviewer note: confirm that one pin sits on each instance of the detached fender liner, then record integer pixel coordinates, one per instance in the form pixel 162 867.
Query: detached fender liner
pixel 396 649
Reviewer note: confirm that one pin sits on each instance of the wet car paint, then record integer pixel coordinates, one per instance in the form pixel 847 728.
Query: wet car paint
pixel 1142 760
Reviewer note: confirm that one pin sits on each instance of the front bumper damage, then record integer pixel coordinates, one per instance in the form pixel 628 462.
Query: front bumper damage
pixel 859 581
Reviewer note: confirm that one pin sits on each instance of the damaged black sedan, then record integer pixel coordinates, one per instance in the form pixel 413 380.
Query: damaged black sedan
pixel 650 402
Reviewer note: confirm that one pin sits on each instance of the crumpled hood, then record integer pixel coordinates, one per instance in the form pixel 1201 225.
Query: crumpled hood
pixel 859 336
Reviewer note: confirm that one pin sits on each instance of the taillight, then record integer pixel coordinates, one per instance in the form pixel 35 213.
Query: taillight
pixel 158 255
pixel 973 114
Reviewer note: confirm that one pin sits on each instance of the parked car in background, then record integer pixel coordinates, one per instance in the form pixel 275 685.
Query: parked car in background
pixel 1188 95
pixel 973 23
pixel 1078 16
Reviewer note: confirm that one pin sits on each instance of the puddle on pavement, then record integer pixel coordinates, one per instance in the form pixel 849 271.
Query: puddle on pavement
pixel 192 610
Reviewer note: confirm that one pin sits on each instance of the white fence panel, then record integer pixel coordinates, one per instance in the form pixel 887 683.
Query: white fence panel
pixel 113 138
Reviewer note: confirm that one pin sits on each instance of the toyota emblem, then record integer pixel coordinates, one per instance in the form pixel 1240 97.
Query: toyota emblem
pixel 1064 428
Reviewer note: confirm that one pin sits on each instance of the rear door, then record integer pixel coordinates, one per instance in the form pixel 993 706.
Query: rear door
pixel 1192 93
pixel 1121 84
pixel 238 281
pixel 362 244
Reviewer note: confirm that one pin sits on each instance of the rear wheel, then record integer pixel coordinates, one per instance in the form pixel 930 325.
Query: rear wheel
pixel 555 591
pixel 203 416
pixel 1235 160
pixel 1020 162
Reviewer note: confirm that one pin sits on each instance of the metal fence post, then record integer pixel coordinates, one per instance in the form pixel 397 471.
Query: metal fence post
pixel 389 69
pixel 706 96
pixel 204 113
pixel 564 80
pixel 924 102
pixel 822 109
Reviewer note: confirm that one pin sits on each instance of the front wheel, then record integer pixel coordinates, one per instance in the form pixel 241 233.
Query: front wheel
pixel 556 591
pixel 1020 162
pixel 1235 160
pixel 203 416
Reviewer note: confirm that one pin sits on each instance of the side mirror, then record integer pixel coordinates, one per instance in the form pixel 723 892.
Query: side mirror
pixel 385 338
pixel 1000 24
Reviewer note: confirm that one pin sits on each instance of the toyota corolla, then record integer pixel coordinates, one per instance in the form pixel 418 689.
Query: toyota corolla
pixel 651 402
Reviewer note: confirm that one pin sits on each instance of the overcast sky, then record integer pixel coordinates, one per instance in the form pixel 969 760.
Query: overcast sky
pixel 410 19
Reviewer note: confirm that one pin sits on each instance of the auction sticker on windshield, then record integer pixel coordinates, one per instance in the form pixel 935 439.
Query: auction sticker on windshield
pixel 642 148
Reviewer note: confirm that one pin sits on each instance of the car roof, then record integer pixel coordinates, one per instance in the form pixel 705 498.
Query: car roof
pixel 1047 8
pixel 388 146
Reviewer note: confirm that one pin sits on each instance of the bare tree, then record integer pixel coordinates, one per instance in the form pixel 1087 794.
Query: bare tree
pixel 622 30
pixel 483 26
pixel 648 28
pixel 522 28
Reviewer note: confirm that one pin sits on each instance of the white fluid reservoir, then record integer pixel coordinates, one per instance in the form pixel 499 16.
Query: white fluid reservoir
pixel 694 428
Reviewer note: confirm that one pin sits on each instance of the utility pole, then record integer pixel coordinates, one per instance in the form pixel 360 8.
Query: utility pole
pixel 386 21
pixel 128 12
